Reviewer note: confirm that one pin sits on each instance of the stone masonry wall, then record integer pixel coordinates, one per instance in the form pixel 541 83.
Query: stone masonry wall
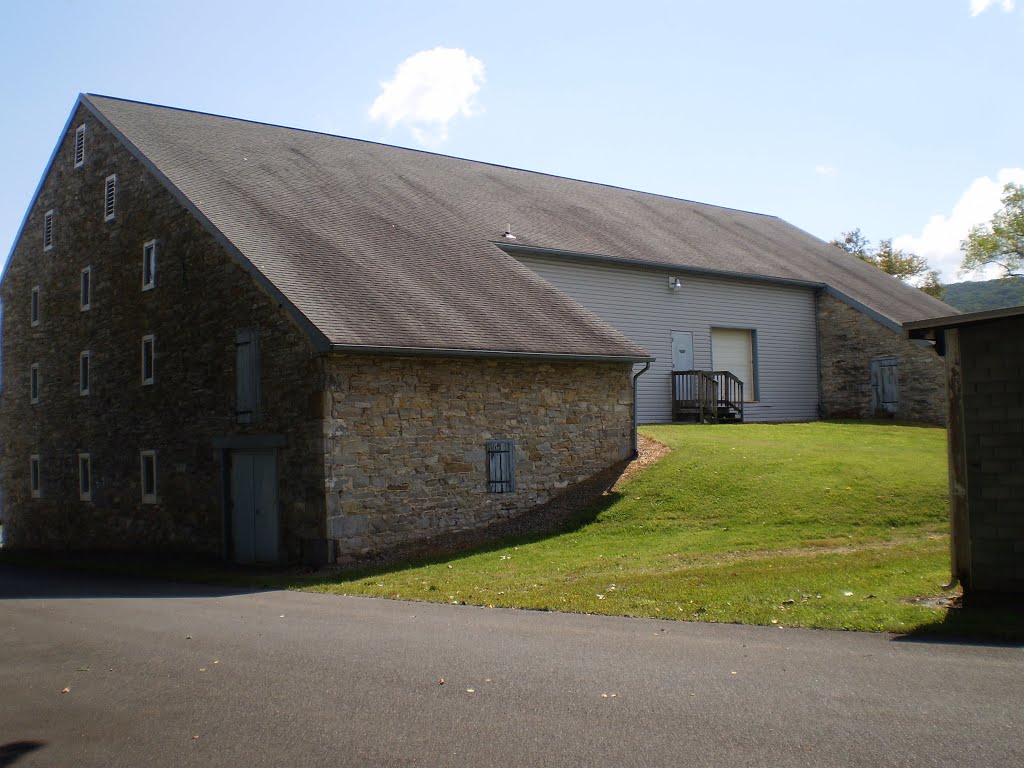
pixel 405 440
pixel 992 357
pixel 201 298
pixel 848 341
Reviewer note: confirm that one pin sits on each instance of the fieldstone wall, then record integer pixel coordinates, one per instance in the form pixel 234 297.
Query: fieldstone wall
pixel 201 298
pixel 405 441
pixel 848 340
pixel 992 356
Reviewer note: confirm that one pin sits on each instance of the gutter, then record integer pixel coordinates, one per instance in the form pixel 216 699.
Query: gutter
pixel 661 266
pixel 485 353
pixel 636 419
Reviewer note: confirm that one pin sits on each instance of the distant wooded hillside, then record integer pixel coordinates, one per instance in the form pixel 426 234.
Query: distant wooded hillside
pixel 985 294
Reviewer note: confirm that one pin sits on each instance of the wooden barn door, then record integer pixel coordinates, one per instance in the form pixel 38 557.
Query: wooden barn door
pixel 254 518
pixel 885 385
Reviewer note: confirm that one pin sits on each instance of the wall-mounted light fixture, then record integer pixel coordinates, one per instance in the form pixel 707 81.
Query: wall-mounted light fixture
pixel 674 283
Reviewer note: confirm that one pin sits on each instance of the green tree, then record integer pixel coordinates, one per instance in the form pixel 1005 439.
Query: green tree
pixel 1001 241
pixel 854 242
pixel 895 261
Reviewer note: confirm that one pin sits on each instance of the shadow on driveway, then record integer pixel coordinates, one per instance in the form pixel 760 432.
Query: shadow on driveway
pixel 21 582
pixel 12 751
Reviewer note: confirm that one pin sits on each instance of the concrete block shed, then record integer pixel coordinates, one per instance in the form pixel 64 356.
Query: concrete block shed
pixel 984 357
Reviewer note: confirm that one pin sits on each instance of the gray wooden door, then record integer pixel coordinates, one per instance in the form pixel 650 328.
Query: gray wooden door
pixel 254 518
pixel 885 385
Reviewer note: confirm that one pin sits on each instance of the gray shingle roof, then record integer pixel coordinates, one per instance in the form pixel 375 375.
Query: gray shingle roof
pixel 380 246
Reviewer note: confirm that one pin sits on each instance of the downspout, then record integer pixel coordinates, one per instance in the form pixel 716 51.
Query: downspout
pixel 636 422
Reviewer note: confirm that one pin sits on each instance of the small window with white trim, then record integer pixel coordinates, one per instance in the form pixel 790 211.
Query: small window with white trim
pixel 148 358
pixel 110 197
pixel 34 312
pixel 148 476
pixel 80 146
pixel 149 265
pixel 33 383
pixel 34 479
pixel 84 477
pixel 84 372
pixel 48 230
pixel 501 466
pixel 85 289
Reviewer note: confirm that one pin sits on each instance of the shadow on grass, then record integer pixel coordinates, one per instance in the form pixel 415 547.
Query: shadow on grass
pixel 882 423
pixel 55 574
pixel 570 523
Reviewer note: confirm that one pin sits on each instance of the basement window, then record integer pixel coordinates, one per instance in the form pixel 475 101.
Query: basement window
pixel 148 358
pixel 35 485
pixel 84 477
pixel 148 477
pixel 80 146
pixel 84 372
pixel 110 197
pixel 35 306
pixel 149 265
pixel 501 466
pixel 33 383
pixel 85 297
pixel 48 230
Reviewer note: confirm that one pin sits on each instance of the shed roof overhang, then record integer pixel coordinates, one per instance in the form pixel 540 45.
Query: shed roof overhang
pixel 933 329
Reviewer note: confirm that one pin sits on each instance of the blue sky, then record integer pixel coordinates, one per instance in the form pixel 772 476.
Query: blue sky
pixel 902 117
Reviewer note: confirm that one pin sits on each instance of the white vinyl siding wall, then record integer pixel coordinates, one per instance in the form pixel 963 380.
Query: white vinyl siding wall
pixel 640 304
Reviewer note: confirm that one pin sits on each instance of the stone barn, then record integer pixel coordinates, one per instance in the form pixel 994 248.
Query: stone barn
pixel 228 337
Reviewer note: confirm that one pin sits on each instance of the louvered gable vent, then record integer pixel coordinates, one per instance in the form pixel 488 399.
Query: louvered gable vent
pixel 80 146
pixel 110 198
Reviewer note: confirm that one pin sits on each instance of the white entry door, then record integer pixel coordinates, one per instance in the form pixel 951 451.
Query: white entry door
pixel 254 520
pixel 682 351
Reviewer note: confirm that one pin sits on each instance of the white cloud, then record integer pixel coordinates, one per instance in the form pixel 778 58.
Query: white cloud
pixel 980 6
pixel 939 240
pixel 428 91
pixel 825 170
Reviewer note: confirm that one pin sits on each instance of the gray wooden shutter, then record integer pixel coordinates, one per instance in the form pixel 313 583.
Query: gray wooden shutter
pixel 501 466
pixel 247 376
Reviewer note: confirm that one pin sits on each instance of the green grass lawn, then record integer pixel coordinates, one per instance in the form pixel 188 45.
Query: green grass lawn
pixel 833 525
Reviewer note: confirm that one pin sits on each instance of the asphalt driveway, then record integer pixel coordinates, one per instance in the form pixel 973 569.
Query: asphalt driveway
pixel 97 672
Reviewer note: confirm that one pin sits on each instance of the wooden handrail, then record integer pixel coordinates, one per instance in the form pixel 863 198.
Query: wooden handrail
pixel 706 394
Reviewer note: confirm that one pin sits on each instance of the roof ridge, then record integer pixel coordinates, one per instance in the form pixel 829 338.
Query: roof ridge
pixel 436 154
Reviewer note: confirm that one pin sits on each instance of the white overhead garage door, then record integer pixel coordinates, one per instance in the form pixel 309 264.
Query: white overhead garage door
pixel 732 349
